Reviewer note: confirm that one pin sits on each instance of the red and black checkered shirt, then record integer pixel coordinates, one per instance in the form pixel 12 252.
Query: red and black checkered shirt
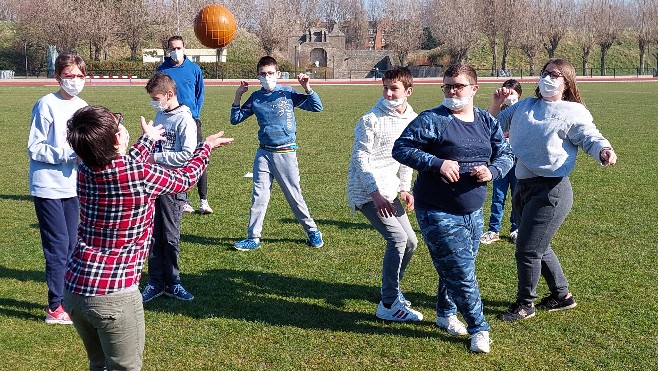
pixel 116 217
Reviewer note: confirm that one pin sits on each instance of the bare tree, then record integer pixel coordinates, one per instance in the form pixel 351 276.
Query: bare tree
pixel 134 17
pixel 585 33
pixel 509 28
pixel 556 25
pixel 355 25
pixel 403 28
pixel 530 40
pixel 100 25
pixel 644 14
pixel 454 30
pixel 607 14
pixel 8 10
pixel 273 29
pixel 489 18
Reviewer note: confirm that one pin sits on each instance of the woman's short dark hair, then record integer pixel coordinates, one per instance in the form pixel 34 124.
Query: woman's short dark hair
pixel 92 135
pixel 514 85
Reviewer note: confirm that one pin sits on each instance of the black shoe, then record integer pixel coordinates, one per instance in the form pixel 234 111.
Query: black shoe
pixel 552 303
pixel 518 311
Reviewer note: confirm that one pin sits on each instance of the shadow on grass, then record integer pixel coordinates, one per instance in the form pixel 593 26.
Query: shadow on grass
pixel 22 275
pixel 338 223
pixel 19 309
pixel 16 197
pixel 281 300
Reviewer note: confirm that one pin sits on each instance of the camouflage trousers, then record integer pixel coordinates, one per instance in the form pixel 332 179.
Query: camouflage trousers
pixel 453 241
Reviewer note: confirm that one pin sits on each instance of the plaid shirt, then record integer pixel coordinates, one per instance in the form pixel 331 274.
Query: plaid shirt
pixel 116 217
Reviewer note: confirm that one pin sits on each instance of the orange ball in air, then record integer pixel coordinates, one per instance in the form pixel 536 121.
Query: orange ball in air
pixel 214 26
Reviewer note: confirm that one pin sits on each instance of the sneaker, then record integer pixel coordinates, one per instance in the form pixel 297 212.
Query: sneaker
pixel 513 235
pixel 489 237
pixel 553 304
pixel 452 324
pixel 188 209
pixel 518 311
pixel 247 244
pixel 480 342
pixel 58 316
pixel 204 207
pixel 178 292
pixel 150 292
pixel 399 312
pixel 314 239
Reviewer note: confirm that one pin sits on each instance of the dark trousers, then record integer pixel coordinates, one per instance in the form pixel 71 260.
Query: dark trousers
pixel 58 225
pixel 541 204
pixel 163 256
pixel 202 185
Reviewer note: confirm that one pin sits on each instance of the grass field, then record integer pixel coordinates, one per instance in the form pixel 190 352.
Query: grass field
pixel 288 307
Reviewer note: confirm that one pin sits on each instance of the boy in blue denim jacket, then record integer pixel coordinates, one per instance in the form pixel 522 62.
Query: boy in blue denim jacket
pixel 276 157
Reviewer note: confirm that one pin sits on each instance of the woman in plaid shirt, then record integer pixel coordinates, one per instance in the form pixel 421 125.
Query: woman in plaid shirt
pixel 117 194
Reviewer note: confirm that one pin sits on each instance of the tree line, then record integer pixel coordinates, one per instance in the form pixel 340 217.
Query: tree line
pixel 534 27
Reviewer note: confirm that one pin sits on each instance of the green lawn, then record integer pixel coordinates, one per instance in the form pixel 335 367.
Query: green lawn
pixel 289 307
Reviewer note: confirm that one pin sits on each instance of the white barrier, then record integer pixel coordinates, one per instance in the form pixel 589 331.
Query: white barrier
pixel 6 74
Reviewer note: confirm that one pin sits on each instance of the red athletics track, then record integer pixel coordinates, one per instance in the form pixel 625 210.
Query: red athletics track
pixel 235 82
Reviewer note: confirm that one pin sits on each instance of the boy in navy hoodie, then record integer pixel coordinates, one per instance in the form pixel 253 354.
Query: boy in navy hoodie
pixel 276 157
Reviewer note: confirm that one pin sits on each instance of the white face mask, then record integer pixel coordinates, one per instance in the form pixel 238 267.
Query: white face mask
pixel 72 87
pixel 549 87
pixel 267 82
pixel 157 105
pixel 456 104
pixel 511 100
pixel 123 146
pixel 393 103
pixel 177 55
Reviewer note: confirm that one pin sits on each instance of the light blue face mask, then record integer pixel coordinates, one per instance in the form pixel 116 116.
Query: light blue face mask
pixel 157 105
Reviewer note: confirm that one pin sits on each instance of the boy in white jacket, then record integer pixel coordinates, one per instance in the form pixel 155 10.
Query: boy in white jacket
pixel 374 181
pixel 181 140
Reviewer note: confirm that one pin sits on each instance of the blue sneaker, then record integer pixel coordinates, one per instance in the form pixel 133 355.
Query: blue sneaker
pixel 314 239
pixel 247 244
pixel 150 292
pixel 178 292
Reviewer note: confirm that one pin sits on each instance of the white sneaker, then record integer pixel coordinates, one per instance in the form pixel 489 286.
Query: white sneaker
pixel 188 209
pixel 399 311
pixel 514 235
pixel 480 342
pixel 204 207
pixel 452 324
pixel 489 237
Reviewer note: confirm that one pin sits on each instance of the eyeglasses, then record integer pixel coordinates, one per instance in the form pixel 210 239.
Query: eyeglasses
pixel 71 76
pixel 119 117
pixel 265 74
pixel 554 75
pixel 458 87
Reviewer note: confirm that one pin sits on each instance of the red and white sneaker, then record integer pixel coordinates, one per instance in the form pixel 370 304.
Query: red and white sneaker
pixel 58 316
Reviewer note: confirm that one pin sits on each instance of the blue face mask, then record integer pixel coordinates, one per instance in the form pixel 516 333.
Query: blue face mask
pixel 157 105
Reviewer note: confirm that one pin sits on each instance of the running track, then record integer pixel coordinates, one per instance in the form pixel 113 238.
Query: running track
pixel 236 82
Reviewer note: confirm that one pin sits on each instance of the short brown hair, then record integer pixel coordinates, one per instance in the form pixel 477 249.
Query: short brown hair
pixel 457 69
pixel 69 59
pixel 175 37
pixel 91 132
pixel 267 61
pixel 401 74
pixel 161 83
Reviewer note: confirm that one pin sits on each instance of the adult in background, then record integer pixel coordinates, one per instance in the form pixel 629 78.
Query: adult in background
pixel 189 82
pixel 456 148
pixel 52 177
pixel 545 132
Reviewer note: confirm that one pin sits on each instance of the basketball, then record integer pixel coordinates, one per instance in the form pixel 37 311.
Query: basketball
pixel 214 26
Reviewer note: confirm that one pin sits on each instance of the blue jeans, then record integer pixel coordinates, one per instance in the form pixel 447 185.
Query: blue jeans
pixel 498 197
pixel 58 225
pixel 401 242
pixel 453 241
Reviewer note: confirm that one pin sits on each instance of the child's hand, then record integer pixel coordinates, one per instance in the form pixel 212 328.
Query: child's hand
pixel 216 140
pixel 304 81
pixel 153 132
pixel 499 95
pixel 244 86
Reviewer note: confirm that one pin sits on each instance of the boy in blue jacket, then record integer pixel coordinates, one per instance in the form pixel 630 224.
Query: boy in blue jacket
pixel 276 157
